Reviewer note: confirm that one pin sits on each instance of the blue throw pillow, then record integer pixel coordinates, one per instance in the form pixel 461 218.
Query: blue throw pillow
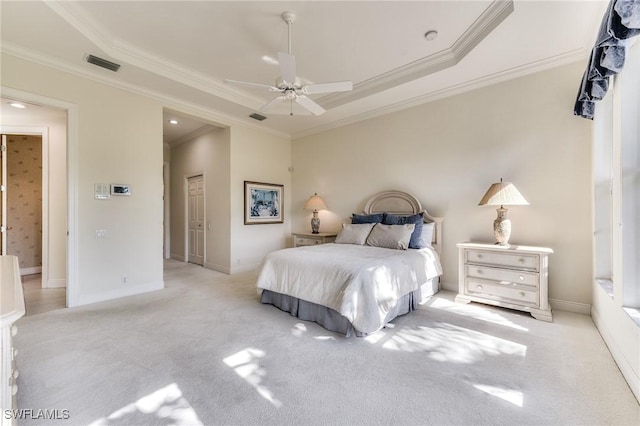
pixel 367 218
pixel 417 219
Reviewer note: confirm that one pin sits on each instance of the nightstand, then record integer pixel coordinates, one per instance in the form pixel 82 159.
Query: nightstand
pixel 309 239
pixel 514 277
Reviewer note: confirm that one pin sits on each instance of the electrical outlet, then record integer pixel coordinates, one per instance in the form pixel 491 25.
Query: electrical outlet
pixel 123 279
pixel 101 234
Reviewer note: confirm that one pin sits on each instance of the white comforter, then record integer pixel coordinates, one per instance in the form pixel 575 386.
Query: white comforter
pixel 360 282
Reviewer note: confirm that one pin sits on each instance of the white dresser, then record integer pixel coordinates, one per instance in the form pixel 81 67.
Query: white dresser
pixel 512 276
pixel 309 239
pixel 11 309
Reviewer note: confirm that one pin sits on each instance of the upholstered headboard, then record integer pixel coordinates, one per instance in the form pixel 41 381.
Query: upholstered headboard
pixel 403 203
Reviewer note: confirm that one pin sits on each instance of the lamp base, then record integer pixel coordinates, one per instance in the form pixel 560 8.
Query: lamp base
pixel 315 223
pixel 502 227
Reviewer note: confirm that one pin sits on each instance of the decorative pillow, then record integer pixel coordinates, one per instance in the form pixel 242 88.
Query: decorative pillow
pixel 367 218
pixel 391 236
pixel 354 233
pixel 416 219
pixel 427 234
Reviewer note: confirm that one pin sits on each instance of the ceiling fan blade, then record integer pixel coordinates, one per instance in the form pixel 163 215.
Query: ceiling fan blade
pixel 246 83
pixel 272 102
pixel 287 67
pixel 310 105
pixel 338 86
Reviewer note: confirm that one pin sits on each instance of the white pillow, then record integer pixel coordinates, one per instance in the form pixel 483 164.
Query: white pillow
pixel 427 234
pixel 354 233
pixel 391 236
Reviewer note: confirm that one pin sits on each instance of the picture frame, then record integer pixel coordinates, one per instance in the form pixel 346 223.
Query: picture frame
pixel 263 203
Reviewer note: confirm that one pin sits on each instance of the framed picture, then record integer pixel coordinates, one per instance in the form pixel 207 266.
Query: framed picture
pixel 263 203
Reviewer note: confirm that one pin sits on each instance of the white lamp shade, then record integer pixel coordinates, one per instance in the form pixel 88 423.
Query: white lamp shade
pixel 503 194
pixel 315 203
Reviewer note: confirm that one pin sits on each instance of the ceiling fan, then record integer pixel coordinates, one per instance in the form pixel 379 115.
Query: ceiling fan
pixel 290 86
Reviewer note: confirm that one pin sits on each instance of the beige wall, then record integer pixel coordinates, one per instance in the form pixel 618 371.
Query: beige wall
pixel 259 157
pixel 448 152
pixel 118 138
pixel 206 154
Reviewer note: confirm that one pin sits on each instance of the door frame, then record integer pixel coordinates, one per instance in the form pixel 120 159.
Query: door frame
pixel 72 181
pixel 43 132
pixel 186 215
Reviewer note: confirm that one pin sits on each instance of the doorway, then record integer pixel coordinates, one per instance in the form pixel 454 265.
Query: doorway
pixel 195 220
pixel 21 182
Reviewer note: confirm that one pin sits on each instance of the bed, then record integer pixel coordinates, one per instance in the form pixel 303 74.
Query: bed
pixel 354 288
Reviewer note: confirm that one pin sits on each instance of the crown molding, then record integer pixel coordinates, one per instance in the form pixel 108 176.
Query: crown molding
pixel 499 77
pixel 207 128
pixel 125 52
pixel 213 116
pixel 492 16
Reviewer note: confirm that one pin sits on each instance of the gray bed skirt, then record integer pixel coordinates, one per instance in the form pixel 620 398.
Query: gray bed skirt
pixel 332 320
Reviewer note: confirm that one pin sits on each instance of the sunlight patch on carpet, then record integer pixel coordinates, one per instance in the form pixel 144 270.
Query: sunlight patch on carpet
pixel 246 365
pixel 513 396
pixel 167 404
pixel 449 343
pixel 477 312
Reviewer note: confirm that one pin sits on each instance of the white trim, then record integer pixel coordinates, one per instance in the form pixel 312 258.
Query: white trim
pixel 72 179
pixel 569 306
pixel 166 171
pixel 632 378
pixel 31 271
pixel 120 292
pixel 178 257
pixel 43 132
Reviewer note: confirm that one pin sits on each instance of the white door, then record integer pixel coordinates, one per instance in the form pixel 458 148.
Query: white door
pixel 195 214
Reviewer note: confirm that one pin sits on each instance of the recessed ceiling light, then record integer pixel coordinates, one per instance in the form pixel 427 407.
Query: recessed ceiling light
pixel 17 105
pixel 431 35
pixel 173 121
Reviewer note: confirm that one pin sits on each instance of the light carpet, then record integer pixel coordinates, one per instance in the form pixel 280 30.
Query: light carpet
pixel 205 351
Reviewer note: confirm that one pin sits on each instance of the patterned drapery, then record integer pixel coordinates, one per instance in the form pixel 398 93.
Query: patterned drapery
pixel 620 23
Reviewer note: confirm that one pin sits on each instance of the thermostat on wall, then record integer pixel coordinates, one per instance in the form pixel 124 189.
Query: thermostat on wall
pixel 101 191
pixel 119 189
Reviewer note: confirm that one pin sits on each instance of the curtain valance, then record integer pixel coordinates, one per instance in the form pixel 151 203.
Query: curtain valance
pixel 620 23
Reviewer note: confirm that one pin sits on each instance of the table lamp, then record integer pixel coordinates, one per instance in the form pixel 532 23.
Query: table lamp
pixel 502 194
pixel 315 203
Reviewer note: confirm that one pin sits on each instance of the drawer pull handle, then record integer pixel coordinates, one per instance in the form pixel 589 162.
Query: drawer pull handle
pixel 522 294
pixel 521 277
pixel 521 260
pixel 479 256
pixel 478 287
pixel 480 271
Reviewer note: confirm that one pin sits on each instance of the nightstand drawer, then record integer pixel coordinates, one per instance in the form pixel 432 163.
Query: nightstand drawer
pixel 517 294
pixel 502 275
pixel 509 260
pixel 301 241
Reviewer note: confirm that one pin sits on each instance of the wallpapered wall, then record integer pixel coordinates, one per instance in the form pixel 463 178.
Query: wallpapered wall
pixel 24 199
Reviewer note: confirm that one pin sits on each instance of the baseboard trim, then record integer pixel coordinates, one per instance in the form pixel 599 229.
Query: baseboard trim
pixel 31 270
pixel 57 283
pixel 568 306
pixel 625 368
pixel 216 267
pixel 178 257
pixel 118 293
pixel 244 268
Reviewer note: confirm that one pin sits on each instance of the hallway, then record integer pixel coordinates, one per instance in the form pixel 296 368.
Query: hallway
pixel 38 300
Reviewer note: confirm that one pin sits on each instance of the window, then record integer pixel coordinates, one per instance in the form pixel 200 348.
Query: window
pixel 616 180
